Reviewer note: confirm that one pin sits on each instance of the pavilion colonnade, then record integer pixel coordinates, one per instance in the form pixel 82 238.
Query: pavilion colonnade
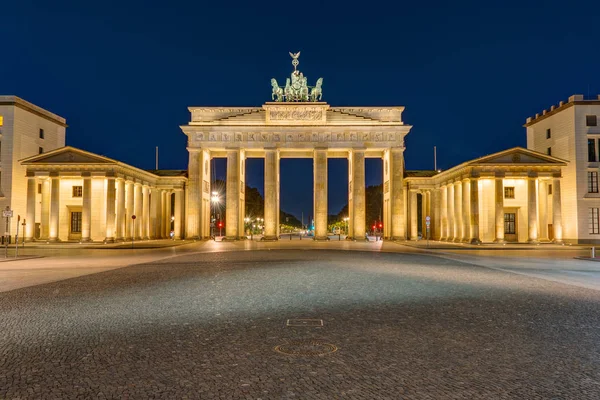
pixel 475 207
pixel 99 205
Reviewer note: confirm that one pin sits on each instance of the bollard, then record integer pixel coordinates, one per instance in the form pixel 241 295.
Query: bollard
pixel 593 252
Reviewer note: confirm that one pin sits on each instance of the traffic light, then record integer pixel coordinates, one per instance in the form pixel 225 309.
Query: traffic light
pixel 374 227
pixel 220 224
pixel 380 225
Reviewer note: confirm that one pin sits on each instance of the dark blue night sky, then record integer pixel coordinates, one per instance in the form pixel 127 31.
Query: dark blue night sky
pixel 469 73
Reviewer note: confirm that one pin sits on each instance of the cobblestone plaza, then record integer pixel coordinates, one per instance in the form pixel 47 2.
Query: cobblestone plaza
pixel 406 325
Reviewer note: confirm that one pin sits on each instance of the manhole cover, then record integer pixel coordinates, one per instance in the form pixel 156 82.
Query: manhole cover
pixel 304 322
pixel 305 348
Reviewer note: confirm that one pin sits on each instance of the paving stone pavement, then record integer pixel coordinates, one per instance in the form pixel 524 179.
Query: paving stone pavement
pixel 204 326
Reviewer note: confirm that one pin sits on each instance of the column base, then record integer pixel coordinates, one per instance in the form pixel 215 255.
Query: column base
pixel 398 238
pixel 321 238
pixel 86 240
pixel 230 238
pixel 474 241
pixel 555 241
pixel 414 238
pixel 533 241
pixel 109 240
pixel 357 238
pixel 28 240
pixel 53 240
pixel 500 241
pixel 269 238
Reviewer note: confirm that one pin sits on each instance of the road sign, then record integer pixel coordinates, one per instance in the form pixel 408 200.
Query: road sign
pixel 7 213
pixel 428 218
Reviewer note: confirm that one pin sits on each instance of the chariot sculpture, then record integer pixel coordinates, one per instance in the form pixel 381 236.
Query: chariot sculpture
pixel 296 87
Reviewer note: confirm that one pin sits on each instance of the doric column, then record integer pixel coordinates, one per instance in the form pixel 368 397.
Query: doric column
pixel 169 215
pixel 543 214
pixel 137 210
pixel 398 231
pixel 145 217
pixel 474 214
pixel 499 195
pixel 54 208
pixel 413 214
pixel 359 228
pixel 177 228
pixel 110 208
pixel 163 214
pixel 556 211
pixel 130 210
pixel 31 193
pixel 45 220
pixel 444 213
pixel 436 222
pixel 232 207
pixel 532 215
pixel 466 210
pixel 86 211
pixel 155 205
pixel 271 209
pixel 451 215
pixel 458 221
pixel 121 220
pixel 320 193
pixel 194 194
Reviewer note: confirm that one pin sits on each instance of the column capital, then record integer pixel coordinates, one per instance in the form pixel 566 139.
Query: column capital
pixel 54 175
pixel 194 149
pixel 30 174
pixel 532 175
pixel 499 174
pixel 111 174
pixel 86 174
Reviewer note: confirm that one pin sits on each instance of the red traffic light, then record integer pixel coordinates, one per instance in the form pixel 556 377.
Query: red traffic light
pixel 380 225
pixel 374 226
pixel 220 224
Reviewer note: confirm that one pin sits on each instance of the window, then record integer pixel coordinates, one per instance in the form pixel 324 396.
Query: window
pixel 76 222
pixel 41 150
pixel 77 191
pixel 592 182
pixel 592 150
pixel 550 189
pixel 41 133
pixel 548 133
pixel 593 225
pixel 39 188
pixel 591 120
pixel 509 224
pixel 549 151
pixel 509 192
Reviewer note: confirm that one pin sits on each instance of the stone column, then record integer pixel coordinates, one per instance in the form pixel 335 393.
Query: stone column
pixel 130 211
pixel 543 212
pixel 178 214
pixel 110 209
pixel 45 221
pixel 54 209
pixel 499 194
pixel 194 194
pixel 458 221
pixel 320 193
pixel 556 211
pixel 532 214
pixel 31 194
pixel 232 208
pixel 137 210
pixel 436 225
pixel 155 214
pixel 466 210
pixel 444 213
pixel 169 215
pixel 86 211
pixel 474 214
pixel 398 231
pixel 358 195
pixel 121 218
pixel 145 217
pixel 451 214
pixel 413 215
pixel 271 209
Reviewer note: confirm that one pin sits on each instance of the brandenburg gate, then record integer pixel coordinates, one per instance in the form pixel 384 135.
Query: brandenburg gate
pixel 296 124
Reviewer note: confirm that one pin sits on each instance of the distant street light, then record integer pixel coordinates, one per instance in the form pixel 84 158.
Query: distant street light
pixel 215 200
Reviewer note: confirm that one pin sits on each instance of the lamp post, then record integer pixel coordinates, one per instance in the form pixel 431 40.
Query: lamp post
pixel 346 221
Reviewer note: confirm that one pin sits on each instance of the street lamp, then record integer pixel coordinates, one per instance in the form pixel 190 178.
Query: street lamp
pixel 215 199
